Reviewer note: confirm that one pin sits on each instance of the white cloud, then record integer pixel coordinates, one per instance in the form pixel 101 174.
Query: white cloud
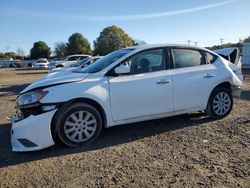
pixel 161 14
pixel 79 17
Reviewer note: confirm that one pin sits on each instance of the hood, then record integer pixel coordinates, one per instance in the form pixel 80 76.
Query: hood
pixel 56 78
pixel 58 62
pixel 68 69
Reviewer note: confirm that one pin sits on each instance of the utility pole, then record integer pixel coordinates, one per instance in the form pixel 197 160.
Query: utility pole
pixel 189 41
pixel 240 44
pixel 221 41
pixel 195 43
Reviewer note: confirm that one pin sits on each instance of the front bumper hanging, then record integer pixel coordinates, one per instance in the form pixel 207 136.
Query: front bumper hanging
pixel 32 133
pixel 236 91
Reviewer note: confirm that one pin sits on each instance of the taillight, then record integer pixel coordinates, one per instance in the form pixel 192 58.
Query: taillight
pixel 244 77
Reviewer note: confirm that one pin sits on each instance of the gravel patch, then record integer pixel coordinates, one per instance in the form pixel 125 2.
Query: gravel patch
pixel 190 150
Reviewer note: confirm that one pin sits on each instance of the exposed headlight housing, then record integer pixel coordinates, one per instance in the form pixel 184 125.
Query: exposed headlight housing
pixel 31 99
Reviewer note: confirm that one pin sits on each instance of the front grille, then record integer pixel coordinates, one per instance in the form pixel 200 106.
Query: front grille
pixel 26 112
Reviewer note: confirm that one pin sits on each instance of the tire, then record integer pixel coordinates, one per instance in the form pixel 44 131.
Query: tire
pixel 220 103
pixel 79 124
pixel 59 66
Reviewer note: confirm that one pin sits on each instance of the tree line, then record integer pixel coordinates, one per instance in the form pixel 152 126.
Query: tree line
pixel 229 45
pixel 111 38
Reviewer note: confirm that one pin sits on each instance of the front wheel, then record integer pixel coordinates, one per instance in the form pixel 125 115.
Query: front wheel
pixel 79 124
pixel 220 103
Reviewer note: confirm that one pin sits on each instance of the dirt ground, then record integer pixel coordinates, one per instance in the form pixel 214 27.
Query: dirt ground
pixel 183 151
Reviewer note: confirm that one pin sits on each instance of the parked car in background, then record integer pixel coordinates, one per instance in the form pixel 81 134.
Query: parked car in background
pixel 18 64
pixel 42 63
pixel 31 64
pixel 230 54
pixel 12 65
pixel 126 86
pixel 77 66
pixel 67 61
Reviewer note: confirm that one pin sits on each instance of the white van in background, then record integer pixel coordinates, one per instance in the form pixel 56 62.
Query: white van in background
pixel 230 54
pixel 67 61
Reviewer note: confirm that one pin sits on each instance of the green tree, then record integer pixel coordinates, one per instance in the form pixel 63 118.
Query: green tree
pixel 40 50
pixel 111 38
pixel 12 55
pixel 227 45
pixel 2 55
pixel 60 49
pixel 77 44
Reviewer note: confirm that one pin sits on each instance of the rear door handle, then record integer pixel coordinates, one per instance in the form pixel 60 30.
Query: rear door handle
pixel 163 82
pixel 209 75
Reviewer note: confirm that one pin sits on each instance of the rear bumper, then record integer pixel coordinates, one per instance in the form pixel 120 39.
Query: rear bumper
pixel 236 91
pixel 32 133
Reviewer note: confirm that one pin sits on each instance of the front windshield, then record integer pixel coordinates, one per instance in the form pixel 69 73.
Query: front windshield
pixel 80 62
pixel 61 59
pixel 105 61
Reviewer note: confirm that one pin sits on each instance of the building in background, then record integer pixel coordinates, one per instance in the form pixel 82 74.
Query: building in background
pixel 246 55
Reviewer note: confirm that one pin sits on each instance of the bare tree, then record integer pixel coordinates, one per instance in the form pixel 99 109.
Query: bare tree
pixel 60 49
pixel 20 52
pixel 7 48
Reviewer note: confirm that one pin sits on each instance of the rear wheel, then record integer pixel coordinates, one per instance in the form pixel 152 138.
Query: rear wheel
pixel 79 124
pixel 220 103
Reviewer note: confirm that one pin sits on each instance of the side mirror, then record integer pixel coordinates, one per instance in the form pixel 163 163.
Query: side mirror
pixel 122 69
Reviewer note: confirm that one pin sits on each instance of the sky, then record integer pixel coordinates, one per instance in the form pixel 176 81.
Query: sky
pixel 24 22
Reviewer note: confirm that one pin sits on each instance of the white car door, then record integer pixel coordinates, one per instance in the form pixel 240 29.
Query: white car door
pixel 193 79
pixel 147 90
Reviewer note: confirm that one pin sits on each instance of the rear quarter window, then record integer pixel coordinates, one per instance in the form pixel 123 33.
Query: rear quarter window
pixel 211 58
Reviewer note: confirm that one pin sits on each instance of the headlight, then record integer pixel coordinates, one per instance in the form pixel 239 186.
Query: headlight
pixel 31 97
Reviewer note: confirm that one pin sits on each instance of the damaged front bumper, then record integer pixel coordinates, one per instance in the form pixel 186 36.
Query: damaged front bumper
pixel 32 133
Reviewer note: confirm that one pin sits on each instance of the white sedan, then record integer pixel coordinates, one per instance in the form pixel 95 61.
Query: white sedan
pixel 42 63
pixel 126 86
pixel 77 66
pixel 67 61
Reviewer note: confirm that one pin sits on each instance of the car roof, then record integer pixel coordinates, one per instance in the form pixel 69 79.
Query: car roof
pixel 149 46
pixel 78 55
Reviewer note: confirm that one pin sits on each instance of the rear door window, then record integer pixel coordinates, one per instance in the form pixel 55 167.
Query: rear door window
pixel 74 58
pixel 187 58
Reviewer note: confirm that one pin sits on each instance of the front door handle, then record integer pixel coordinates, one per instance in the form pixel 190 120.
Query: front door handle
pixel 163 82
pixel 209 75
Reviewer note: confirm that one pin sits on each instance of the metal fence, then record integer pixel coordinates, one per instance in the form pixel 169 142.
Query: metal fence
pixel 11 63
